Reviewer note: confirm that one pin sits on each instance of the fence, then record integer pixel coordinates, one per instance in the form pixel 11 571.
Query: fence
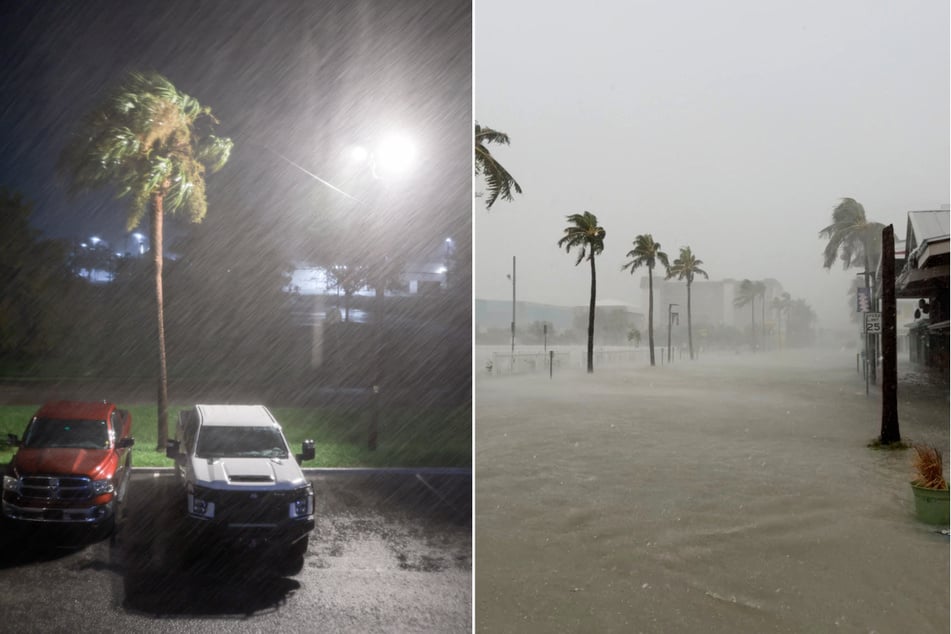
pixel 526 363
pixel 505 363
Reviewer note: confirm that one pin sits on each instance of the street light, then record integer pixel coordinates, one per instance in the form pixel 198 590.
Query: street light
pixel 670 317
pixel 394 157
pixel 512 277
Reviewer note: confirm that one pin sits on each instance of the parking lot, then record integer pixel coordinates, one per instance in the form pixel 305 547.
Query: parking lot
pixel 391 552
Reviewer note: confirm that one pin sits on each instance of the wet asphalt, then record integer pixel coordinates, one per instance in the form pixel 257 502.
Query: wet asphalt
pixel 391 551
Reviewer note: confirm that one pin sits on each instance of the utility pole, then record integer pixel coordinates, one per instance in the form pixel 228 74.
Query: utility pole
pixel 513 309
pixel 670 316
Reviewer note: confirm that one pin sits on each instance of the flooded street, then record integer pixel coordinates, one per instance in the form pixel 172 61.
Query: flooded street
pixel 730 494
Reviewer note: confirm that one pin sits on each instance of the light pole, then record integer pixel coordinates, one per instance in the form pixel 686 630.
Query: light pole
pixel 393 157
pixel 670 317
pixel 512 277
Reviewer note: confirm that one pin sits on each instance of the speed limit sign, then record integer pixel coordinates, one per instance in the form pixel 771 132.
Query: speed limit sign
pixel 873 323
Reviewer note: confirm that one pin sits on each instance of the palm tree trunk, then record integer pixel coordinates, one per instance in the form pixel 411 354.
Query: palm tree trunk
pixel 157 217
pixel 650 311
pixel 889 431
pixel 689 323
pixel 594 286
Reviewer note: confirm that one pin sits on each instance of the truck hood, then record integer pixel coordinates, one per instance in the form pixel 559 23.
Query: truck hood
pixel 253 473
pixel 94 463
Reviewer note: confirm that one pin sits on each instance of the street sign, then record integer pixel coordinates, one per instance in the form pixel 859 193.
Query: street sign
pixel 873 323
pixel 863 302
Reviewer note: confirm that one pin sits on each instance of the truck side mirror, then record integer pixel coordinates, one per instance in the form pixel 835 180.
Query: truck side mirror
pixel 307 451
pixel 171 449
pixel 12 440
pixel 125 443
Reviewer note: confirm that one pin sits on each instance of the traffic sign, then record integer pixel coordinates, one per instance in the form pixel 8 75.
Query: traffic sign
pixel 873 323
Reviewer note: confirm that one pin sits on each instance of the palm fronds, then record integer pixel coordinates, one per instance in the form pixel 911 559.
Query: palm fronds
pixel 497 179
pixel 585 234
pixel 647 253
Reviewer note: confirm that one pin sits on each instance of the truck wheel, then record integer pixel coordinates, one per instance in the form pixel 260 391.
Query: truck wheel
pixel 299 548
pixel 292 559
pixel 108 527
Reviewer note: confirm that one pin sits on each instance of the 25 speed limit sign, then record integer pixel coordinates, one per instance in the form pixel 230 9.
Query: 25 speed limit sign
pixel 873 323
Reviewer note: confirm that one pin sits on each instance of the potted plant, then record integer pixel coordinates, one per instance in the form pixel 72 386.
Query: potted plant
pixel 930 487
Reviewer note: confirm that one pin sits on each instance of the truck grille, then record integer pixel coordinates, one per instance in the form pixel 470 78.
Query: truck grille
pixel 55 487
pixel 252 507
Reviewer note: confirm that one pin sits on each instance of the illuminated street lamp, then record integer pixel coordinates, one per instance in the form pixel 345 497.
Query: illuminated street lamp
pixel 394 157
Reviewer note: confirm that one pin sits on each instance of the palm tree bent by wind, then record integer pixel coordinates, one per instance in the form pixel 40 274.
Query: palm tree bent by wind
pixel 647 253
pixel 855 241
pixel 685 267
pixel 497 178
pixel 153 144
pixel 585 234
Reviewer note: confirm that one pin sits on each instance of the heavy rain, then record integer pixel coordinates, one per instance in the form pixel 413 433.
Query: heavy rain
pixel 237 203
pixel 711 316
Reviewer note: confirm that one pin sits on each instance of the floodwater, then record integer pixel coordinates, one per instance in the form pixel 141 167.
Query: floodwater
pixel 732 494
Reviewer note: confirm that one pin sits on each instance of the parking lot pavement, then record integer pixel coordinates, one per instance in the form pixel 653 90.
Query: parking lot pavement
pixel 391 551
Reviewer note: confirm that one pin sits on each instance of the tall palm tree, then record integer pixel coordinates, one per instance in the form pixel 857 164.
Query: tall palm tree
pixel 746 294
pixel 585 234
pixel 686 267
pixel 780 306
pixel 856 241
pixel 497 178
pixel 647 253
pixel 153 144
pixel 759 287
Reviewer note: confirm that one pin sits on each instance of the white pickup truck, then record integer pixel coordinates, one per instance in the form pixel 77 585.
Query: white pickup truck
pixel 241 485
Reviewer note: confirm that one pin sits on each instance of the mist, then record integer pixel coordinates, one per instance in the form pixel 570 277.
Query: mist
pixel 734 130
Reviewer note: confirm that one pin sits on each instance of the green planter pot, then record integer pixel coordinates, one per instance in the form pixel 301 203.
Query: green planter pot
pixel 931 505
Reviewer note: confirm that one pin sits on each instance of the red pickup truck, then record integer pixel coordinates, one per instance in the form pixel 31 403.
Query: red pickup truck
pixel 72 467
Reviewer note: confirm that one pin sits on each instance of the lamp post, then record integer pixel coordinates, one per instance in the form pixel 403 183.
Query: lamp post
pixel 670 316
pixel 393 157
pixel 512 277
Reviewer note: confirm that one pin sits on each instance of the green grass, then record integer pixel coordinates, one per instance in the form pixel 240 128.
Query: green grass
pixel 407 438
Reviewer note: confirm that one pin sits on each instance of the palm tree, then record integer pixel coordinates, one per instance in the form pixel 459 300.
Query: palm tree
pixel 781 307
pixel 584 233
pixel 154 144
pixel 759 287
pixel 686 267
pixel 647 253
pixel 855 241
pixel 747 294
pixel 497 178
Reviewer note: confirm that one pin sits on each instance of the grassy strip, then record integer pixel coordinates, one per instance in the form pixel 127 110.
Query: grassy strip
pixel 407 438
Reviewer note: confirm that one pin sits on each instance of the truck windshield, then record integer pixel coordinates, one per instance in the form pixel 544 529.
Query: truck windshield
pixel 58 432
pixel 241 442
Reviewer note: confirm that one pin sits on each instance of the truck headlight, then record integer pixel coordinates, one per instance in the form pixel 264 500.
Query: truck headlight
pixel 303 505
pixel 102 486
pixel 11 483
pixel 198 503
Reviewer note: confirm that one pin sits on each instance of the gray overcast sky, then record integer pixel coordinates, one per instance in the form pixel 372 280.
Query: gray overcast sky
pixel 732 127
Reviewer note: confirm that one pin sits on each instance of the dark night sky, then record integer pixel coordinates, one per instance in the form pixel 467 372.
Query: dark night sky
pixel 301 78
